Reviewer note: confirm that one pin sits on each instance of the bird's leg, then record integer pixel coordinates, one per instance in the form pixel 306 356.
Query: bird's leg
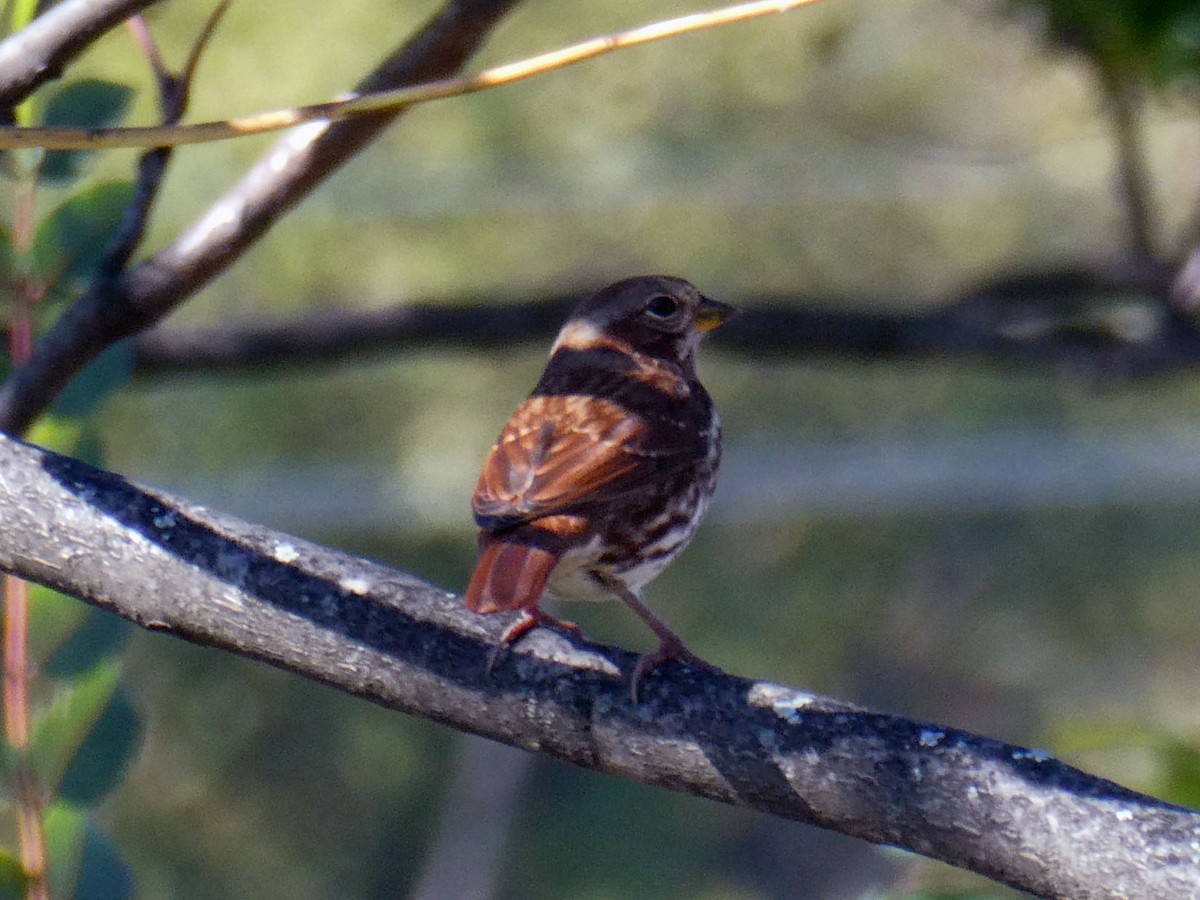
pixel 670 646
pixel 531 617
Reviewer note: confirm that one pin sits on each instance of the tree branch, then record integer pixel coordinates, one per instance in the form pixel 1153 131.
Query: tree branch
pixel 337 334
pixel 1134 185
pixel 1111 327
pixel 1016 815
pixel 174 94
pixel 120 304
pixel 38 52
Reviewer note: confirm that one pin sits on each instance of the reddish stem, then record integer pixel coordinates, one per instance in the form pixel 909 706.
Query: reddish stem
pixel 16 694
pixel 26 790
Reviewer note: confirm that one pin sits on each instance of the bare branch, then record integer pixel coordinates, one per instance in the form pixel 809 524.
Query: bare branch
pixel 1016 815
pixel 1134 187
pixel 1109 326
pixel 339 334
pixel 119 304
pixel 174 93
pixel 38 53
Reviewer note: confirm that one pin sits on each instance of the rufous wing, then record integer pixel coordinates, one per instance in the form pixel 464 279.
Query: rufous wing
pixel 508 576
pixel 558 450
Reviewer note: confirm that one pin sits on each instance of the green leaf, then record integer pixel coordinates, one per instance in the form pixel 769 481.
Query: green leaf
pixel 1179 763
pixel 72 436
pixel 83 863
pixel 53 618
pixel 99 635
pixel 99 380
pixel 65 827
pixel 103 874
pixel 90 448
pixel 12 878
pixel 56 433
pixel 90 103
pixel 60 732
pixel 1175 775
pixel 20 14
pixel 72 240
pixel 101 762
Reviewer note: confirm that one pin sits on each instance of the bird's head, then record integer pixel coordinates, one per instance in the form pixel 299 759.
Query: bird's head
pixel 655 315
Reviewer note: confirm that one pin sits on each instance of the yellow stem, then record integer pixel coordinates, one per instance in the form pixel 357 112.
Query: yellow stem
pixel 65 138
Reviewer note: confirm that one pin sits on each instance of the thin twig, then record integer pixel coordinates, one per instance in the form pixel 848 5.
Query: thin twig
pixel 31 839
pixel 188 73
pixel 58 138
pixel 174 92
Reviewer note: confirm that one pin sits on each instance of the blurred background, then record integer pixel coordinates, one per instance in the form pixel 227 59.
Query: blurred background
pixel 999 545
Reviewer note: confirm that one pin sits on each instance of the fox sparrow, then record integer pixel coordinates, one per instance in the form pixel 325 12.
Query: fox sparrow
pixel 602 475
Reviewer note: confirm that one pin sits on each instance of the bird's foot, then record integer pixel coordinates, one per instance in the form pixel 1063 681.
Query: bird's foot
pixel 671 648
pixel 529 619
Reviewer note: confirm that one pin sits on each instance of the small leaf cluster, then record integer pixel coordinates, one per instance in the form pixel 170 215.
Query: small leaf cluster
pixel 83 730
pixel 70 241
pixel 84 733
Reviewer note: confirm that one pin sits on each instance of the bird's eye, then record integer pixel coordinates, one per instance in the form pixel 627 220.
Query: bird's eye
pixel 662 306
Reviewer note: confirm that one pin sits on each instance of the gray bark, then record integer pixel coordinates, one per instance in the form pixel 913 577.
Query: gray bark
pixel 1016 815
pixel 38 52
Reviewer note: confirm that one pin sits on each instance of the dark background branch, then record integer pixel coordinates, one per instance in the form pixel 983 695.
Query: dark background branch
pixel 1016 815
pixel 1109 327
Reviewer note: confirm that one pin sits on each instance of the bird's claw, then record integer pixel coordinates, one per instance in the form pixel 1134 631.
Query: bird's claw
pixel 648 662
pixel 528 620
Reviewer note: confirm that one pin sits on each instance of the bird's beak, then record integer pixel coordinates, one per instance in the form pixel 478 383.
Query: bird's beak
pixel 713 313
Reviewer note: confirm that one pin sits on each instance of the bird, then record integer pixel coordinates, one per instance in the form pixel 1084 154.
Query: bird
pixel 603 474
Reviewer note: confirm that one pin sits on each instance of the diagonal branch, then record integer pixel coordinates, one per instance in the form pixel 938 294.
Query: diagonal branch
pixel 38 53
pixel 117 305
pixel 1016 815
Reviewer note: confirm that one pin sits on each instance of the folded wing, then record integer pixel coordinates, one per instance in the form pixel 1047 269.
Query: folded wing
pixel 557 451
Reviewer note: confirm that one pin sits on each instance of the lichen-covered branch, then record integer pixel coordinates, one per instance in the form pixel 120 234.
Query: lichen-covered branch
pixel 1016 815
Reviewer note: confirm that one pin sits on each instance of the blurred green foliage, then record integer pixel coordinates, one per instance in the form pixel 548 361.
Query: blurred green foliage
pixel 72 238
pixel 84 731
pixel 87 103
pixel 1153 41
